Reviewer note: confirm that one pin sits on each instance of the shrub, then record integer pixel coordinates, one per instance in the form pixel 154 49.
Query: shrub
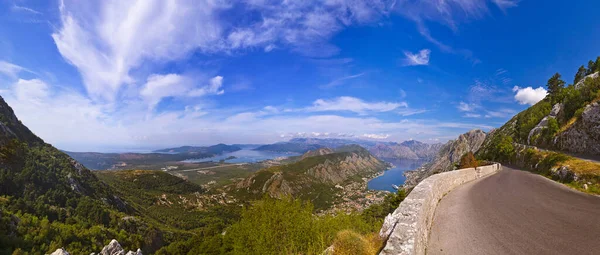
pixel 468 161
pixel 348 242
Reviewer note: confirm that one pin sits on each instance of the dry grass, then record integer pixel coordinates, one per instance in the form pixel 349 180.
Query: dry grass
pixel 582 167
pixel 348 242
pixel 567 125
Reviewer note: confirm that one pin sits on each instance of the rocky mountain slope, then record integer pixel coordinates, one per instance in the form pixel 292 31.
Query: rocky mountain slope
pixel 313 178
pixel 406 150
pixel 448 156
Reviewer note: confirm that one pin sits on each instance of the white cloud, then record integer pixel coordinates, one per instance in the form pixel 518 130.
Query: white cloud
pixel 25 9
pixel 158 87
pixel 107 41
pixel 106 46
pixel 529 95
pixel 466 107
pixel 376 136
pixel 354 105
pixel 9 69
pixel 417 59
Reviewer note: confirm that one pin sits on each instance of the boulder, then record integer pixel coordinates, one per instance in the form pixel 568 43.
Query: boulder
pixel 60 252
pixel 584 135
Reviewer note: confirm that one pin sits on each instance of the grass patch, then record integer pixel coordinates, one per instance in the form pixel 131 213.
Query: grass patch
pixel 582 167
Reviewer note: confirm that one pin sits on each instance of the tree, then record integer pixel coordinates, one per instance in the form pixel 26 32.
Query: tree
pixel 597 65
pixel 555 85
pixel 506 149
pixel 580 74
pixel 591 67
pixel 468 160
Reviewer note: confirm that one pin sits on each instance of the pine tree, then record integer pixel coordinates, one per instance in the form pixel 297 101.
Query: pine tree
pixel 555 85
pixel 597 65
pixel 580 74
pixel 590 69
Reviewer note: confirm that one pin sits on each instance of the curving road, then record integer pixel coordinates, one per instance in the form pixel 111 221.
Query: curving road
pixel 516 212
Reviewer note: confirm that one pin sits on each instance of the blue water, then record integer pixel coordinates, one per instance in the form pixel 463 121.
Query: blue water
pixel 245 156
pixel 395 175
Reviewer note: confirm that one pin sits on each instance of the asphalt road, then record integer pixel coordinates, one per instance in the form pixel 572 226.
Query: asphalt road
pixel 516 212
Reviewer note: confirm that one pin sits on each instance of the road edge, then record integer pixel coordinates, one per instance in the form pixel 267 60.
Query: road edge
pixel 407 228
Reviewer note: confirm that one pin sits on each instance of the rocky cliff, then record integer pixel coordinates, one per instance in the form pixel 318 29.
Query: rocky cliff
pixel 113 248
pixel 583 136
pixel 447 157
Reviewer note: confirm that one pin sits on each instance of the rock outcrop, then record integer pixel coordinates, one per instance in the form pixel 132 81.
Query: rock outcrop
pixel 60 251
pixel 113 248
pixel 580 83
pixel 447 157
pixel 543 124
pixel 583 137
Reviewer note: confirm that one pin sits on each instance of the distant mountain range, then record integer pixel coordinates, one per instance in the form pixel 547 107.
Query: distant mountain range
pixel 406 150
pixel 214 149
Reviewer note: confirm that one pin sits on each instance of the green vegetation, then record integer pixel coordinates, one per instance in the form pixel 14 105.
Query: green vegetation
pixel 288 226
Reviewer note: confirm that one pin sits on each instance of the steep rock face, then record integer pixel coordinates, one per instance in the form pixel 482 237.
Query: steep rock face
pixel 423 150
pixel 448 156
pixel 393 151
pixel 584 135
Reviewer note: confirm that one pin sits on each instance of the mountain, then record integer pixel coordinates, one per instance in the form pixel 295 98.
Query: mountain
pixel 214 149
pixel 407 150
pixel 423 150
pixel 447 157
pixel 332 142
pixel 48 200
pixel 398 151
pixel 317 152
pixel 291 147
pixel 313 178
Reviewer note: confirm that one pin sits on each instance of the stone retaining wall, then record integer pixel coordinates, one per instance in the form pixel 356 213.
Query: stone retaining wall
pixel 407 228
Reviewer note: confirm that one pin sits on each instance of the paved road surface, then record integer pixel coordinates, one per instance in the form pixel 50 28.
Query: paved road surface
pixel 516 212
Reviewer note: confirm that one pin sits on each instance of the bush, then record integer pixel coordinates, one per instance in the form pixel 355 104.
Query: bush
pixel 468 161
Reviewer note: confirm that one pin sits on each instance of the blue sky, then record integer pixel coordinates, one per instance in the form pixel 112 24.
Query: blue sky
pixel 109 75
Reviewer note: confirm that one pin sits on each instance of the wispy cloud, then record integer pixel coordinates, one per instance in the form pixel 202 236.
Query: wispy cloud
pixel 106 47
pixel 9 69
pixel 353 104
pixel 450 13
pixel 472 115
pixel 340 81
pixel 466 107
pixel 24 9
pixel 417 59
